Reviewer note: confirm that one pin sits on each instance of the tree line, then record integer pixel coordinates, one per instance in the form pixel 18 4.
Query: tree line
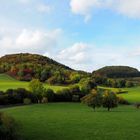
pixel 37 93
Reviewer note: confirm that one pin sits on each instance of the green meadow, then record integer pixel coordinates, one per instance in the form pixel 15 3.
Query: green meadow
pixel 132 96
pixel 7 82
pixel 75 121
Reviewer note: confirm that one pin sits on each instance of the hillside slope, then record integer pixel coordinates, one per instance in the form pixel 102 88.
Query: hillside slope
pixel 27 66
pixel 118 72
pixel 7 82
pixel 24 58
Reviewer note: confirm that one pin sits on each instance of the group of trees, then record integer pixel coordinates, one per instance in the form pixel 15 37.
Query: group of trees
pixel 107 99
pixel 120 83
pixel 16 96
pixel 37 93
pixel 73 93
pixel 110 82
pixel 48 73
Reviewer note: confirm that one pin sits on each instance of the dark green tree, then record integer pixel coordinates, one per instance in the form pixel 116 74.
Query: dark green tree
pixel 94 99
pixel 110 100
pixel 37 88
pixel 49 94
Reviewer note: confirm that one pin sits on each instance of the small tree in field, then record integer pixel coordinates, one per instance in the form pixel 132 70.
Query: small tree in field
pixel 94 99
pixel 37 88
pixel 110 100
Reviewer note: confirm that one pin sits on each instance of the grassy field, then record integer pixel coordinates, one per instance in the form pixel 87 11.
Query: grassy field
pixel 74 121
pixel 6 82
pixel 133 94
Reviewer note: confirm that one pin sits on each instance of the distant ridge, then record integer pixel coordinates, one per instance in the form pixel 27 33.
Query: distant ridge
pixel 117 72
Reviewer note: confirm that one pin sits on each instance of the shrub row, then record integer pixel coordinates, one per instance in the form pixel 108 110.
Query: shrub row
pixel 23 96
pixel 15 96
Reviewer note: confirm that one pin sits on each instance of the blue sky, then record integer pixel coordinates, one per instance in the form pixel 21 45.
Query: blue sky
pixel 83 34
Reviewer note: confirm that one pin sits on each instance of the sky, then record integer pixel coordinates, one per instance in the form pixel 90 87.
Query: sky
pixel 82 34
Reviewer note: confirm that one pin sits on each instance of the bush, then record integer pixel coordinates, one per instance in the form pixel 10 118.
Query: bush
pixel 49 94
pixel 67 95
pixel 27 101
pixel 3 98
pixel 87 85
pixel 75 98
pixel 37 88
pixel 85 89
pixel 129 84
pixel 8 128
pixel 44 100
pixel 123 101
pixel 75 89
pixel 63 95
pixel 137 105
pixel 16 96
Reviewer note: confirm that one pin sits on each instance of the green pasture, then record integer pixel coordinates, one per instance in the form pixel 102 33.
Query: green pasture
pixel 133 94
pixel 7 82
pixel 75 121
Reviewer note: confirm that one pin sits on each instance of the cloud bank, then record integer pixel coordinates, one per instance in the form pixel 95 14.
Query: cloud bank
pixel 129 8
pixel 25 40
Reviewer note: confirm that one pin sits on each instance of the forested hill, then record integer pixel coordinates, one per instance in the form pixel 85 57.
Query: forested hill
pixel 26 66
pixel 118 72
pixel 24 58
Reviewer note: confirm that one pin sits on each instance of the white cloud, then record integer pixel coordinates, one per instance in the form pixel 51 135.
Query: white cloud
pixel 75 53
pixel 89 57
pixel 75 56
pixel 25 40
pixel 84 7
pixel 129 8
